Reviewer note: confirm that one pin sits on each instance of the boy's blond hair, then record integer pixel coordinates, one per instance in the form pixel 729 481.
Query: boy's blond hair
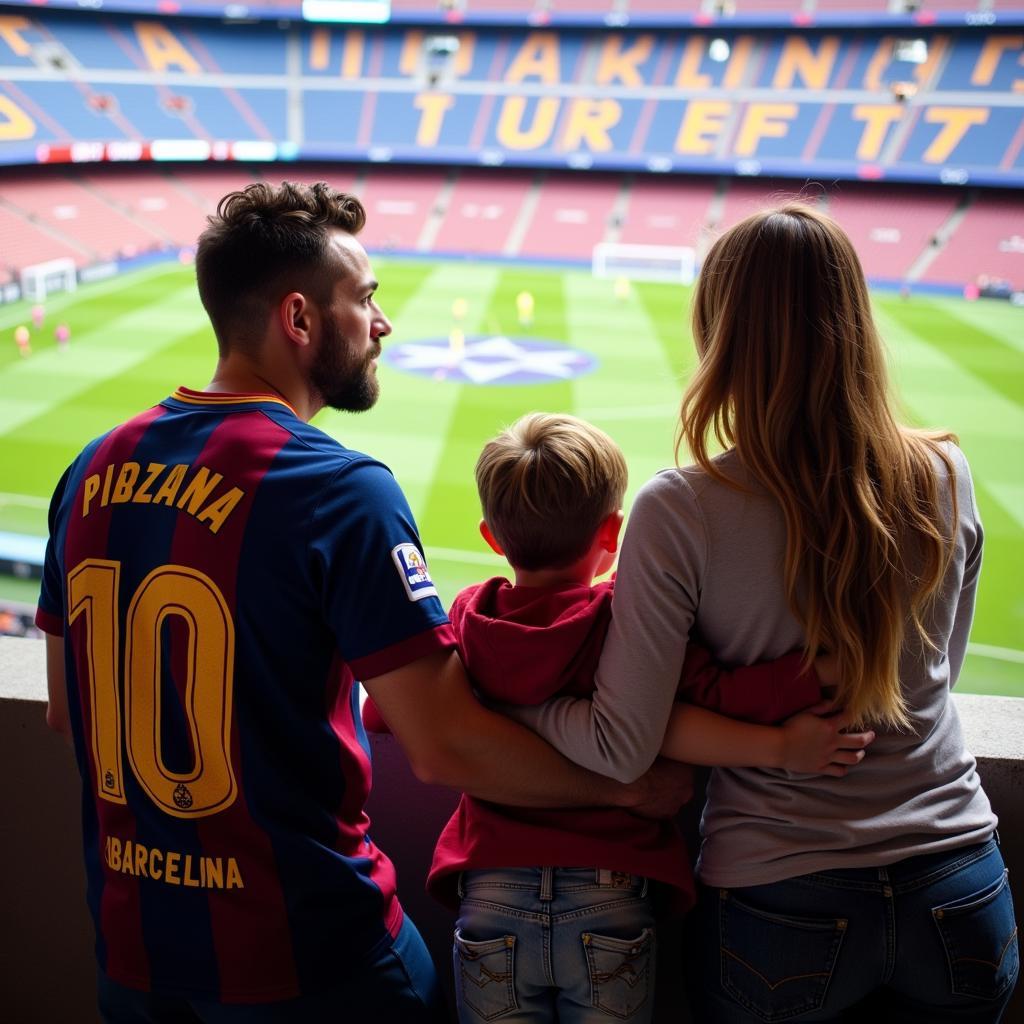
pixel 546 484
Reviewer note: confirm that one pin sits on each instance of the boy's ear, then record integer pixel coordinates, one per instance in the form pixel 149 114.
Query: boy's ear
pixel 608 531
pixel 485 532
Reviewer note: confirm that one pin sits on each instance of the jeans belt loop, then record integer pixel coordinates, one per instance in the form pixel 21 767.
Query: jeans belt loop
pixel 547 884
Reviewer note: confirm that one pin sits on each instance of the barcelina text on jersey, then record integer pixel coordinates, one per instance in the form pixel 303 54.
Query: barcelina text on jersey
pixel 196 490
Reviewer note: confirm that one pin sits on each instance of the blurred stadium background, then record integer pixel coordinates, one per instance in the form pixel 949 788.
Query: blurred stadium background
pixel 581 151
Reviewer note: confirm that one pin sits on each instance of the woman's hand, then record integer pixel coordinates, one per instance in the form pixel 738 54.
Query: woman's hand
pixel 813 741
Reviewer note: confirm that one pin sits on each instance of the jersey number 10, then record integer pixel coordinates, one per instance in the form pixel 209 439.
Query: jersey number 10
pixel 170 590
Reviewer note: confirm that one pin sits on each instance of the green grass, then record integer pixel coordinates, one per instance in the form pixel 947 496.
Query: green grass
pixel 956 365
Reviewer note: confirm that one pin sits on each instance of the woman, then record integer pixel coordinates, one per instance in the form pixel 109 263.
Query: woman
pixel 823 525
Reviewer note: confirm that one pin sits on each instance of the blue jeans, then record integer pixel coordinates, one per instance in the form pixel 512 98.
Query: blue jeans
pixel 927 940
pixel 574 945
pixel 400 985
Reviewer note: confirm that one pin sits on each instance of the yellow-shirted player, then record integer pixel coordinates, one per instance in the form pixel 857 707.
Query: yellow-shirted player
pixel 23 339
pixel 524 308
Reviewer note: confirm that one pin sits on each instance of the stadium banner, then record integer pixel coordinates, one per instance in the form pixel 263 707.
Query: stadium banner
pixel 928 107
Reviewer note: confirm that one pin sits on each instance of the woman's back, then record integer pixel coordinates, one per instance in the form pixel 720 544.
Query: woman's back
pixel 915 792
pixel 825 526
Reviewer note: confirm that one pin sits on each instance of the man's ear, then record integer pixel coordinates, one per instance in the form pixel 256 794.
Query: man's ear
pixel 485 532
pixel 608 531
pixel 296 319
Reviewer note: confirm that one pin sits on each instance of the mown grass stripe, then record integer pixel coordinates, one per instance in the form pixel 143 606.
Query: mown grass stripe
pixel 635 373
pixel 451 510
pixel 982 354
pixel 120 344
pixel 1001 319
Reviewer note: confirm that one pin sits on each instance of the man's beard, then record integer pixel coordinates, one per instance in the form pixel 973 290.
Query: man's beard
pixel 341 382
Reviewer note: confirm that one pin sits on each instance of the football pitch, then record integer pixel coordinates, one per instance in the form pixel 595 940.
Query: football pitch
pixel 618 361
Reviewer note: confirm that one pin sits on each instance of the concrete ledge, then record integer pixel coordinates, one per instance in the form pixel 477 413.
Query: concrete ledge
pixel 46 961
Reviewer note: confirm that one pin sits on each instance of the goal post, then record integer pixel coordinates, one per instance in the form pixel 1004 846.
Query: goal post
pixel 676 263
pixel 38 280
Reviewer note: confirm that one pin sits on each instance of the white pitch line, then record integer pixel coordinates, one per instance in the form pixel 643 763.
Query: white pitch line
pixel 25 500
pixel 996 653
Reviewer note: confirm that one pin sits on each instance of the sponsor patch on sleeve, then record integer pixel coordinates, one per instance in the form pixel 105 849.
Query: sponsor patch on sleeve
pixel 412 568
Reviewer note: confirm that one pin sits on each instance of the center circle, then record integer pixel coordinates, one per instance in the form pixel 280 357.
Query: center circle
pixel 495 359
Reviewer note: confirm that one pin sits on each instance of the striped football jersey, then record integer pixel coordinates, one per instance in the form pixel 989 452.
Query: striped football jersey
pixel 222 573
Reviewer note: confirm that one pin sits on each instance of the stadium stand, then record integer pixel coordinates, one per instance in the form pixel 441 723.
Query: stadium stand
pixel 26 243
pixel 85 220
pixel 482 209
pixel 891 230
pixel 398 204
pixel 776 106
pixel 742 197
pixel 544 215
pixel 206 184
pixel 942 107
pixel 990 240
pixel 151 198
pixel 572 215
pixel 664 212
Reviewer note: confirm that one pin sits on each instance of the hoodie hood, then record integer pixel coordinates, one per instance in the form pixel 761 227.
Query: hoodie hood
pixel 523 645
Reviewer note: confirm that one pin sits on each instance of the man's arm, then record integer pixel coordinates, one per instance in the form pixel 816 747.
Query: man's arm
pixel 452 740
pixel 57 716
pixel 765 692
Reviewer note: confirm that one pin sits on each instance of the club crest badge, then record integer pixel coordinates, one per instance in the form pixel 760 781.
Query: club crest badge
pixel 412 568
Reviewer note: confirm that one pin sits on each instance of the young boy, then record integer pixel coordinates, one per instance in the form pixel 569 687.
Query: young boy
pixel 573 939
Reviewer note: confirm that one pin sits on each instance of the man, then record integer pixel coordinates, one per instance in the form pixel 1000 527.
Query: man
pixel 218 575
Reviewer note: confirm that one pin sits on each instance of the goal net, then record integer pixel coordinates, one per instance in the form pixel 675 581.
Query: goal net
pixel 40 279
pixel 676 263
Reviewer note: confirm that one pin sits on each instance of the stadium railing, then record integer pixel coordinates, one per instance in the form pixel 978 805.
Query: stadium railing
pixel 48 972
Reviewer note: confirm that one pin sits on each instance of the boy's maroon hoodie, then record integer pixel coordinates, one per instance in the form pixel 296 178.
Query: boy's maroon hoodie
pixel 523 645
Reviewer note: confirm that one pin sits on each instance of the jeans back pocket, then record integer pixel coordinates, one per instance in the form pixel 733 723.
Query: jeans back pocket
pixel 485 975
pixel 774 965
pixel 980 937
pixel 620 971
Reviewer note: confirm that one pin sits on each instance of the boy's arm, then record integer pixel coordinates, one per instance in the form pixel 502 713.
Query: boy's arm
pixel 766 692
pixel 811 742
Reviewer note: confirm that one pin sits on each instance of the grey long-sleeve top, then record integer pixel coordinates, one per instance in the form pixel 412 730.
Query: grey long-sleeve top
pixel 700 554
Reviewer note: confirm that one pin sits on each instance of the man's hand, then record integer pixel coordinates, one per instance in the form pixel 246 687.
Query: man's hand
pixel 663 789
pixel 813 741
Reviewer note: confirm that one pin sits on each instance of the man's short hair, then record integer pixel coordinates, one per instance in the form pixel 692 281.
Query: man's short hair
pixel 546 484
pixel 264 242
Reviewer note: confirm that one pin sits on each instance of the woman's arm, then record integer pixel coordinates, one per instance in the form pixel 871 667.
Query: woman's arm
pixel 812 741
pixel 970 529
pixel 619 731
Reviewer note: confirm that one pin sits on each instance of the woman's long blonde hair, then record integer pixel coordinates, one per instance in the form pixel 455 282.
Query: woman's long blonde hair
pixel 792 376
